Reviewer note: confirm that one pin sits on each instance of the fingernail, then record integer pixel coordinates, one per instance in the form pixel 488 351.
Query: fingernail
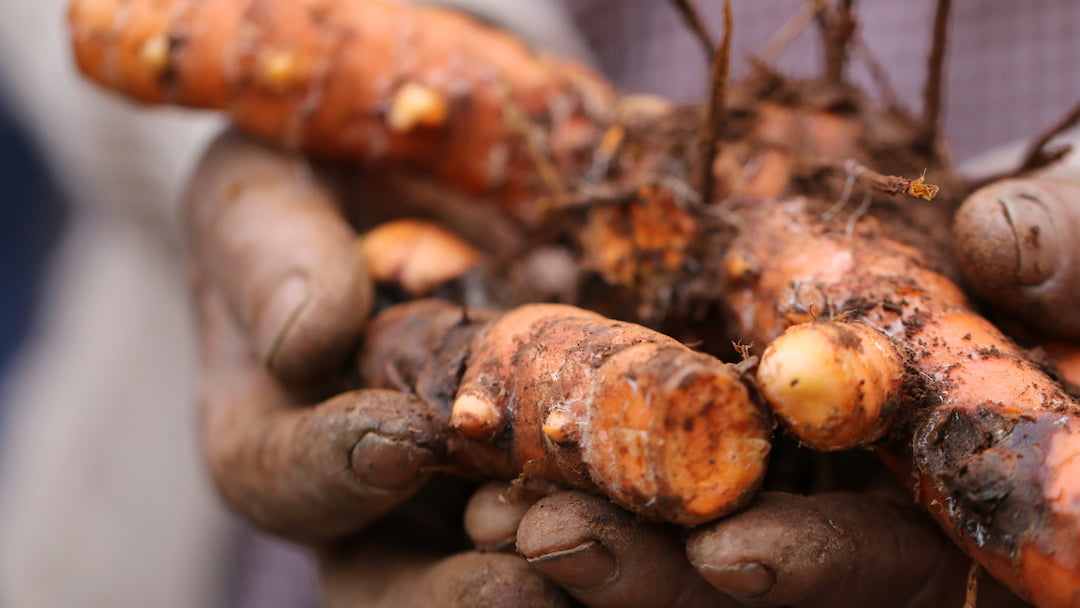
pixel 387 463
pixel 585 567
pixel 278 314
pixel 1032 227
pixel 746 581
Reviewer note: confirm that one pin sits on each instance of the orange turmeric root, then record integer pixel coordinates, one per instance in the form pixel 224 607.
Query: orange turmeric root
pixel 996 447
pixel 372 80
pixel 416 255
pixel 559 393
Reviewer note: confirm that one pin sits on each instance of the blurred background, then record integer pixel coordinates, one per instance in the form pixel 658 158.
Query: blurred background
pixel 102 499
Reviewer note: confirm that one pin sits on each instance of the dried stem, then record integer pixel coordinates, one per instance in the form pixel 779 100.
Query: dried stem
pixel 1039 155
pixel 795 25
pixel 692 16
pixel 516 119
pixel 710 133
pixel 935 73
pixel 971 593
pixel 878 73
pixel 889 184
pixel 837 27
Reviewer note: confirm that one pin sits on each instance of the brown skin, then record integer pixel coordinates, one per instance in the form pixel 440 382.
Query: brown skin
pixel 1066 356
pixel 835 549
pixel 275 452
pixel 374 575
pixel 494 513
pixel 1014 244
pixel 605 559
pixel 266 345
pixel 872 549
pixel 283 297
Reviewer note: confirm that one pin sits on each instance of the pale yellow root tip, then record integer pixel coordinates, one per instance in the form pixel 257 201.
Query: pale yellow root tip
pixel 417 256
pixel 155 52
pixel 416 105
pixel 278 68
pixel 741 267
pixel 832 383
pixel 475 417
pixel 560 427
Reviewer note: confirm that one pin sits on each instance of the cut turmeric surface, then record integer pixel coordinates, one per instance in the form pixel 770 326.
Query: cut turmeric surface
pixel 563 394
pixel 996 444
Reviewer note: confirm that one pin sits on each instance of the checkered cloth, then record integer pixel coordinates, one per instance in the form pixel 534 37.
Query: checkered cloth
pixel 1013 67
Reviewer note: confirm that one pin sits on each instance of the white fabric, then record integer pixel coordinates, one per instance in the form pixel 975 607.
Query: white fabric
pixel 104 502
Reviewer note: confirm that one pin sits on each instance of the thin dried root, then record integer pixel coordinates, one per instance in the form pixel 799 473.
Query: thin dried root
pixel 688 10
pixel 709 133
pixel 789 31
pixel 837 28
pixel 1039 155
pixel 933 94
pixel 971 592
pixel 888 184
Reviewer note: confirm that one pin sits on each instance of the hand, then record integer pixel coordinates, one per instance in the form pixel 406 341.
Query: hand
pixel 872 548
pixel 282 294
pixel 1014 240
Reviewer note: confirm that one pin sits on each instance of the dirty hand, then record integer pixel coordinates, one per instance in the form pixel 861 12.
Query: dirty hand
pixel 282 294
pixel 1015 240
pixel 872 548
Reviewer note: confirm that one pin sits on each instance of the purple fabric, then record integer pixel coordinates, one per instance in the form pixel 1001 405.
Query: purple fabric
pixel 272 573
pixel 1013 68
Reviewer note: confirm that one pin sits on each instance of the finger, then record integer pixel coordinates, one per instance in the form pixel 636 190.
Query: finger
pixel 495 511
pixel 267 232
pixel 380 577
pixel 605 557
pixel 309 474
pixel 835 550
pixel 1013 243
